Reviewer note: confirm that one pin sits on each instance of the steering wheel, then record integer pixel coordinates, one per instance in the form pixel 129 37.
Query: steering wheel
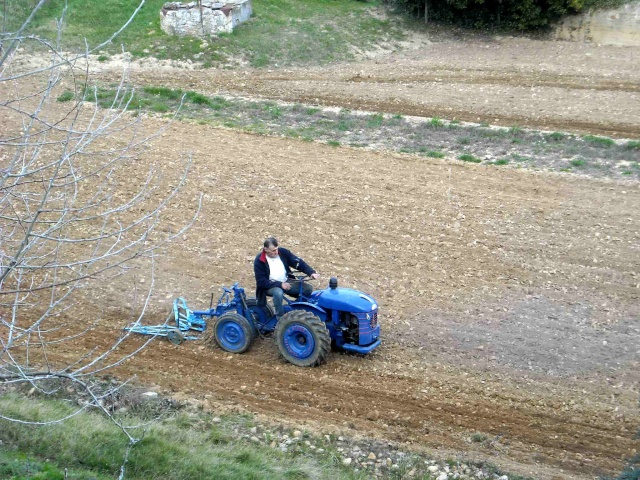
pixel 303 278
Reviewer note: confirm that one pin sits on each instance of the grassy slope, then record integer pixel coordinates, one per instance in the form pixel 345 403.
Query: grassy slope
pixel 282 32
pixel 183 446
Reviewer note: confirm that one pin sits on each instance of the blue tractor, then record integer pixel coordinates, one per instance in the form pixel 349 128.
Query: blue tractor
pixel 346 318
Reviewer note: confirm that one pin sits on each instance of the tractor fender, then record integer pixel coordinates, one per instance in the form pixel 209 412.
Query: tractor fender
pixel 310 307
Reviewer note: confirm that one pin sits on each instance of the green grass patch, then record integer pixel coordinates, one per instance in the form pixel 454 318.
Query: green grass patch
pixel 15 465
pixel 333 143
pixel 273 110
pixel 520 158
pixel 159 107
pixel 435 154
pixel 182 446
pixel 158 99
pixel 280 32
pixel 66 96
pixel 556 136
pixel 632 145
pixel 578 162
pixel 436 122
pixel 466 157
pixel 344 125
pixel 478 437
pixel 198 98
pixel 599 141
pixel 375 121
pixel 164 92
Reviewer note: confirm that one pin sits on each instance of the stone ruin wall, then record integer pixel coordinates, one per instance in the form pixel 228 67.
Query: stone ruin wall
pixel 619 26
pixel 204 20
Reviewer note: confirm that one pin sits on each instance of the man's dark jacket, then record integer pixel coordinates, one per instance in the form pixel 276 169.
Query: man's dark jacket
pixel 261 271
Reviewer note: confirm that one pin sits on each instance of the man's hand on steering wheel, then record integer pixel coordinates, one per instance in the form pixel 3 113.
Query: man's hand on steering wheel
pixel 315 276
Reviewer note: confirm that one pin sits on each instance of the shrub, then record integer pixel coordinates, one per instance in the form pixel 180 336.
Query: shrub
pixel 503 14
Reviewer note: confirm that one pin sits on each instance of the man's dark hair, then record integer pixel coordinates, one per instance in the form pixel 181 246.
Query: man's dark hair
pixel 270 242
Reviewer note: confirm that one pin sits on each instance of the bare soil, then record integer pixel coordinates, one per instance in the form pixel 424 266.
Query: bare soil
pixel 507 81
pixel 509 299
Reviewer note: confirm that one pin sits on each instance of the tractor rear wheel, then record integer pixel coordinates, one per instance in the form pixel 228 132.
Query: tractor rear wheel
pixel 303 339
pixel 233 333
pixel 261 313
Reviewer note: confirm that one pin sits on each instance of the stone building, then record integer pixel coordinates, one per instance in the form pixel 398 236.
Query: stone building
pixel 203 19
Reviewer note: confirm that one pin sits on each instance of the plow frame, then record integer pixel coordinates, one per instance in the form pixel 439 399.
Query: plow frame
pixel 188 324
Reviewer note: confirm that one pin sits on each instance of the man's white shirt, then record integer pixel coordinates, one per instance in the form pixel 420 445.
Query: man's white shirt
pixel 277 272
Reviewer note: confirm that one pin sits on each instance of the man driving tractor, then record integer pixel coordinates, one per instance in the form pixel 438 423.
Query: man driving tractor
pixel 272 268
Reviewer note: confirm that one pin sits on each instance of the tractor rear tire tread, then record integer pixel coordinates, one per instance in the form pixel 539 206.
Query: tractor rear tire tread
pixel 268 309
pixel 318 330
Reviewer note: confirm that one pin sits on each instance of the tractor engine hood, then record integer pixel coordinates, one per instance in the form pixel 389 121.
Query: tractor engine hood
pixel 346 300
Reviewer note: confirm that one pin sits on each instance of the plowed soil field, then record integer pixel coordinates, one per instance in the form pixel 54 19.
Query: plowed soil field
pixel 509 299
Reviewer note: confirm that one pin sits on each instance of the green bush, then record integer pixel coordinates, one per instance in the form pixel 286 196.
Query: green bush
pixel 518 15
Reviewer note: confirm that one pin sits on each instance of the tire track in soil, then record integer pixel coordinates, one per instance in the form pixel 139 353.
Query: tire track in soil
pixel 478 77
pixel 407 108
pixel 276 88
pixel 380 404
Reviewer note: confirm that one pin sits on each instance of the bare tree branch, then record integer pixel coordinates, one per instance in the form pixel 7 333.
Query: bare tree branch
pixel 65 220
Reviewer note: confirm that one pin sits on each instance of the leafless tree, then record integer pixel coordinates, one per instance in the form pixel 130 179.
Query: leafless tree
pixel 63 220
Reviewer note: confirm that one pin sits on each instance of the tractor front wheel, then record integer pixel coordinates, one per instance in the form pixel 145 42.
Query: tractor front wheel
pixel 303 339
pixel 233 333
